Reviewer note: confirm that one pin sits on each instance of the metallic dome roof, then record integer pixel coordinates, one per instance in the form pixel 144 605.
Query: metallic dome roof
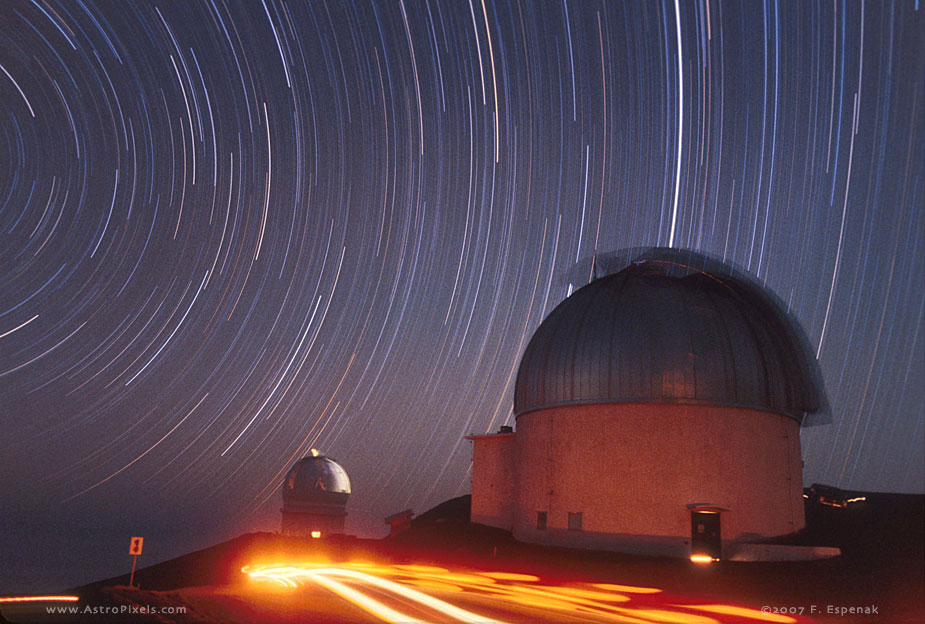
pixel 316 478
pixel 672 326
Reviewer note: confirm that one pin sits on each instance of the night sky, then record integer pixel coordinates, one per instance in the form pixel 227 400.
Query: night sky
pixel 231 232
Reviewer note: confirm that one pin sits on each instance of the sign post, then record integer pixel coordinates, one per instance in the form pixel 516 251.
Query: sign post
pixel 134 550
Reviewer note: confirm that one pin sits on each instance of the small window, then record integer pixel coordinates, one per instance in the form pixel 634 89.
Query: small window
pixel 574 521
pixel 541 521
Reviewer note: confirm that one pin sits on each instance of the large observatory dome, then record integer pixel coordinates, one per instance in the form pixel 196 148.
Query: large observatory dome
pixel 671 327
pixel 316 478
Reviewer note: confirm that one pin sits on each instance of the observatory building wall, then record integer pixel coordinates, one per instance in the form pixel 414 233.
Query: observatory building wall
pixel 633 471
pixel 305 523
pixel 493 480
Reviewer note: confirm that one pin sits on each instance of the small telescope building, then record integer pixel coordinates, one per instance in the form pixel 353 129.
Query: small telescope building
pixel 315 493
pixel 658 411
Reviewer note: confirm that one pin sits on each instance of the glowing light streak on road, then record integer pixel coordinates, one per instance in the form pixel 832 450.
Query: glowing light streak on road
pixel 504 590
pixel 628 589
pixel 745 612
pixel 39 598
pixel 590 594
pixel 363 601
pixel 661 616
pixel 406 592
pixel 288 575
pixel 509 576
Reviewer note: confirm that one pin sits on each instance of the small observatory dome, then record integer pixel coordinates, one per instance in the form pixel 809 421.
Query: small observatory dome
pixel 673 326
pixel 315 494
pixel 316 477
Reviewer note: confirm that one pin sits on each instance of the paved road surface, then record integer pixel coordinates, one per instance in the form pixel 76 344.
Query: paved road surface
pixel 351 593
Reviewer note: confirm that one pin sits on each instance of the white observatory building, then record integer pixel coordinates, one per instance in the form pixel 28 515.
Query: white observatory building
pixel 315 493
pixel 658 411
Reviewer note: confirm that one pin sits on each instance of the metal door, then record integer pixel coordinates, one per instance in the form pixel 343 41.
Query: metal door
pixel 705 533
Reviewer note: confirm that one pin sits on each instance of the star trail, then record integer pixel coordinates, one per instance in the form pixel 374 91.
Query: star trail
pixel 232 232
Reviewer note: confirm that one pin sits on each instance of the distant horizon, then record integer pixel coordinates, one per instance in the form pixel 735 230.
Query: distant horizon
pixel 110 558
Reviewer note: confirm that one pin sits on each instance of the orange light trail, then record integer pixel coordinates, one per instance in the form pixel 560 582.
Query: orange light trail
pixel 743 612
pixel 363 601
pixel 288 575
pixel 627 589
pixel 406 584
pixel 39 599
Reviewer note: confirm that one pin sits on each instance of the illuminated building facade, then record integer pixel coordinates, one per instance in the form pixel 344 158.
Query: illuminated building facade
pixel 658 411
pixel 315 493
